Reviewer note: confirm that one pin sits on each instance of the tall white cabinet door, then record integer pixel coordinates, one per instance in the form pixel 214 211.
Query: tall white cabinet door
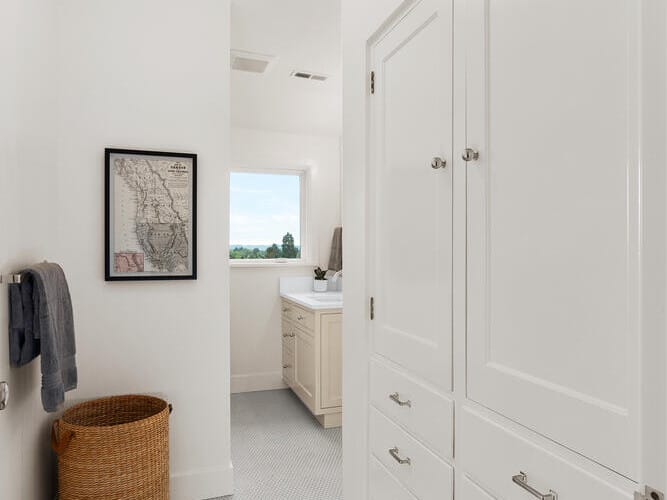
pixel 411 193
pixel 553 219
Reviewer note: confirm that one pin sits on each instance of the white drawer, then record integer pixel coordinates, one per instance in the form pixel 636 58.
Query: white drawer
pixel 299 315
pixel 467 489
pixel 426 476
pixel 429 416
pixel 491 453
pixel 384 486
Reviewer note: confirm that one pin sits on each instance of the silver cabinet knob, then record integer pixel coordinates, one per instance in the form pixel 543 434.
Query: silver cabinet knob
pixel 438 162
pixel 4 395
pixel 470 155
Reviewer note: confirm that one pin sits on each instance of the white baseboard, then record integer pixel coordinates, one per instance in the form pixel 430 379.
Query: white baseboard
pixel 252 382
pixel 202 484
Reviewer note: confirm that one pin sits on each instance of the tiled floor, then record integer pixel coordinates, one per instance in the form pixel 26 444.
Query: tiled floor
pixel 280 452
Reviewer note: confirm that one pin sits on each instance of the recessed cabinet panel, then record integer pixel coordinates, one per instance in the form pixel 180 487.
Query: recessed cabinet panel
pixel 305 379
pixel 411 193
pixel 331 360
pixel 553 220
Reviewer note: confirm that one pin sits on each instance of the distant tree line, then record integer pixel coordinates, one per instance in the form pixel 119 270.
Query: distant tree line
pixel 286 251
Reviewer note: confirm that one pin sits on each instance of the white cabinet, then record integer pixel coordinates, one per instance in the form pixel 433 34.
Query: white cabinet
pixel 312 359
pixel 411 202
pixel 505 149
pixel 553 220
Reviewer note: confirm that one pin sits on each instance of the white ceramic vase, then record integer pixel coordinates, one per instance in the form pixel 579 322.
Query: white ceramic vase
pixel 320 285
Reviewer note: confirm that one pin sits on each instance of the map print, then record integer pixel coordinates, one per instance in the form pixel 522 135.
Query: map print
pixel 151 214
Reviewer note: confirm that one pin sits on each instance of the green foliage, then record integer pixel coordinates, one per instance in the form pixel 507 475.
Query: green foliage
pixel 289 250
pixel 320 274
pixel 286 251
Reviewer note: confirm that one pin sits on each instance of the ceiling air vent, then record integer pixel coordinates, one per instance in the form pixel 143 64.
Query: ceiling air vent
pixel 307 75
pixel 251 62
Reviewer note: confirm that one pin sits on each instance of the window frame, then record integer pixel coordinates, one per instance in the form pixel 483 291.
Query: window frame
pixel 303 171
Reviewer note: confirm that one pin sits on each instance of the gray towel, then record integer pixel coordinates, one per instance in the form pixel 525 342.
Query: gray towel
pixel 41 322
pixel 23 346
pixel 336 255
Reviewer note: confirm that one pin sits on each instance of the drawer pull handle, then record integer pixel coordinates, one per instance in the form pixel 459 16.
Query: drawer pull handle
pixel 521 479
pixel 394 453
pixel 287 366
pixel 285 309
pixel 396 399
pixel 289 335
pixel 299 317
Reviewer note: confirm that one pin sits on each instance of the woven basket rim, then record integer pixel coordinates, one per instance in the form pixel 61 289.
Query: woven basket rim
pixel 141 421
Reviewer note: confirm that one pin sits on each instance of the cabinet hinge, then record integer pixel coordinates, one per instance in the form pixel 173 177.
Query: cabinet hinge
pixel 372 308
pixel 650 494
pixel 372 82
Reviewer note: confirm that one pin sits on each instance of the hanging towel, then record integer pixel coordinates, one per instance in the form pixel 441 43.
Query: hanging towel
pixel 42 322
pixel 336 255
pixel 23 346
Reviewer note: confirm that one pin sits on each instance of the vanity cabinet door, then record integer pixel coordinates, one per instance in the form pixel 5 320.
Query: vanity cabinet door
pixel 305 378
pixel 331 360
pixel 553 220
pixel 410 195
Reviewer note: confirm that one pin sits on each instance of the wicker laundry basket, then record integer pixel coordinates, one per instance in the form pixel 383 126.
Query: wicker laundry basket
pixel 113 448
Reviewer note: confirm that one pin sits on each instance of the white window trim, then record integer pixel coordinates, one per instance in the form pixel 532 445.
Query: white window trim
pixel 305 237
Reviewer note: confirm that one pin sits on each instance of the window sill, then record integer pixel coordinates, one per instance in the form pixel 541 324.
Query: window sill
pixel 254 263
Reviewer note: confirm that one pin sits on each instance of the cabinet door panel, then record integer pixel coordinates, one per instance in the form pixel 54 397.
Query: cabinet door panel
pixel 331 364
pixel 553 219
pixel 305 379
pixel 410 201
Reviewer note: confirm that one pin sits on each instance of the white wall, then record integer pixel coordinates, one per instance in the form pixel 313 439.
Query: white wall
pixel 150 74
pixel 28 225
pixel 255 303
pixel 360 20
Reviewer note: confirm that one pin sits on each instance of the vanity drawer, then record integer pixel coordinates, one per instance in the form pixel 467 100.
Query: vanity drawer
pixel 288 365
pixel 383 486
pixel 491 454
pixel 288 334
pixel 417 468
pixel 299 315
pixel 426 414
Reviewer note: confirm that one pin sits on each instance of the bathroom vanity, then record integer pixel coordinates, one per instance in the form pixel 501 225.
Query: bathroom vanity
pixel 312 351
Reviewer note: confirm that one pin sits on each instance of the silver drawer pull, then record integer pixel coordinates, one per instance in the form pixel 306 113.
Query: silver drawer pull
pixel 396 399
pixel 394 453
pixel 521 479
pixel 287 366
pixel 289 335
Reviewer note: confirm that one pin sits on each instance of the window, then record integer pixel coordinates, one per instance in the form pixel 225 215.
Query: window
pixel 266 216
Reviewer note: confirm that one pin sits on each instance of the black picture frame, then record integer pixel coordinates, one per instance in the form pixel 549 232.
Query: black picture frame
pixel 108 274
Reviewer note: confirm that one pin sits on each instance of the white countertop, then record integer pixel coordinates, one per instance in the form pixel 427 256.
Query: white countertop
pixel 316 300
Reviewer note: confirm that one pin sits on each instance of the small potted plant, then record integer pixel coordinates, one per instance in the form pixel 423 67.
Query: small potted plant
pixel 320 282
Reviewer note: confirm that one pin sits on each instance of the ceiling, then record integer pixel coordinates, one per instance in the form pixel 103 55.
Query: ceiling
pixel 303 35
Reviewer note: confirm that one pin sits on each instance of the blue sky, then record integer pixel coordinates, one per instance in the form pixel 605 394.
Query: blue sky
pixel 263 207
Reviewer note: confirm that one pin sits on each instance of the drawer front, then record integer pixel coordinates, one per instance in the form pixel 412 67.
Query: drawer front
pixel 492 454
pixel 467 489
pixel 384 486
pixel 299 315
pixel 426 476
pixel 288 365
pixel 288 333
pixel 426 414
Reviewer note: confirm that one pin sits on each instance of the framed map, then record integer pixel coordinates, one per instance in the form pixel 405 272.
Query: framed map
pixel 150 215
